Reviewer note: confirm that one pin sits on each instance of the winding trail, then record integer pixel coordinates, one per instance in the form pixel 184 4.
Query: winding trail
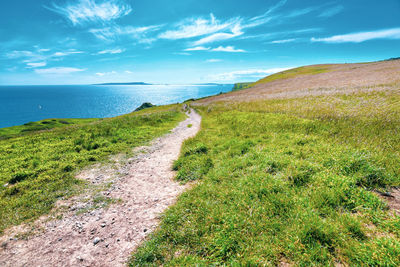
pixel 107 236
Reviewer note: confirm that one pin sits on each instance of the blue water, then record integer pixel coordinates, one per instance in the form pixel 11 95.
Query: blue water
pixel 22 104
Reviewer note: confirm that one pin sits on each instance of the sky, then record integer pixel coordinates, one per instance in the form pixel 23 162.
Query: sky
pixel 187 41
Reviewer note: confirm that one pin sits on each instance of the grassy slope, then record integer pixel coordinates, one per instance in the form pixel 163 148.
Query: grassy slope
pixel 287 181
pixel 306 70
pixel 47 124
pixel 38 168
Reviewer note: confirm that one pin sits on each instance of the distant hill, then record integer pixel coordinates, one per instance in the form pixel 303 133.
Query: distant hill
pixel 132 83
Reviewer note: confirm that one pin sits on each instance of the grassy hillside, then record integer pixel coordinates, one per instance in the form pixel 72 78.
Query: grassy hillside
pixel 289 178
pixel 307 70
pixel 38 168
pixel 40 125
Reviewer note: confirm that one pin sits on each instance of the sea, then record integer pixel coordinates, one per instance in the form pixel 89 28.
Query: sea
pixel 22 104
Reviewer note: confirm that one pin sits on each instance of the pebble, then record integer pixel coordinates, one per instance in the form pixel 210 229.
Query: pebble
pixel 96 240
pixel 145 230
pixel 103 225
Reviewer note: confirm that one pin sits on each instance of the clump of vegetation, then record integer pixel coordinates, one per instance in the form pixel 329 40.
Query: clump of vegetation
pixel 286 181
pixel 241 86
pixel 144 106
pixel 38 168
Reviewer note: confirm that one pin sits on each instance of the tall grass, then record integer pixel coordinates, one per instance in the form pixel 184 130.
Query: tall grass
pixel 286 181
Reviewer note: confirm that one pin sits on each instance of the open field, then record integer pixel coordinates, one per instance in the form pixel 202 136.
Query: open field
pixel 38 168
pixel 289 173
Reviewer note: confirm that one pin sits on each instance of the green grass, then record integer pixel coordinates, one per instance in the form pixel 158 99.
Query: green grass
pixel 40 126
pixel 286 181
pixel 38 168
pixel 307 70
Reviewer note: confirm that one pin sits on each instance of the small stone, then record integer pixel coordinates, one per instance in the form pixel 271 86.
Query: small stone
pixel 79 258
pixel 103 225
pixel 96 240
pixel 145 230
pixel 118 240
pixel 60 239
pixel 107 245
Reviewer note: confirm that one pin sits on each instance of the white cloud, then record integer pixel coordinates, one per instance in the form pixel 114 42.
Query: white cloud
pixel 128 71
pixel 331 11
pixel 213 60
pixel 236 30
pixel 111 51
pixel 197 48
pixel 194 27
pixel 58 70
pixel 19 54
pixel 284 41
pixel 266 17
pixel 106 73
pixel 300 12
pixel 86 11
pixel 230 49
pixel 361 36
pixel 138 33
pixel 36 64
pixel 250 74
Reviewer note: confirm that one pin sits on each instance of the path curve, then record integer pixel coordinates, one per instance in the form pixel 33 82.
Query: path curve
pixel 107 236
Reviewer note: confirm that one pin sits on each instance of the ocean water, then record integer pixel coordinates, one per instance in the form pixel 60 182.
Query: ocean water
pixel 22 104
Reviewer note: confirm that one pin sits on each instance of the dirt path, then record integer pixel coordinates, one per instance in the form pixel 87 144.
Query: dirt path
pixel 107 236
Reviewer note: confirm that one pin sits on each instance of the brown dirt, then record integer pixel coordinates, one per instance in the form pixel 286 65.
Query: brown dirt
pixel 393 200
pixel 341 78
pixel 107 236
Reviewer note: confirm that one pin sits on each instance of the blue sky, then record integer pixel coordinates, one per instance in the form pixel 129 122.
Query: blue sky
pixel 187 41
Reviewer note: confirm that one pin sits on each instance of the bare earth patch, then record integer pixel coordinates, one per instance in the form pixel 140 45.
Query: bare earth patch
pixel 87 235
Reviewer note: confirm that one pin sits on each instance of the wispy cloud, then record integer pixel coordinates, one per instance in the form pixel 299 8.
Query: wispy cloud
pixel 195 27
pixel 36 64
pixel 111 51
pixel 284 41
pixel 86 11
pixel 235 31
pixel 250 74
pixel 301 12
pixel 230 49
pixel 40 55
pixel 213 60
pixel 330 12
pixel 101 74
pixel 114 32
pixel 361 36
pixel 211 30
pixel 58 70
pixel 197 48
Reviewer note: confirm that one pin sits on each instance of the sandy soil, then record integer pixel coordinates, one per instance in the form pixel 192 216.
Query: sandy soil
pixel 107 236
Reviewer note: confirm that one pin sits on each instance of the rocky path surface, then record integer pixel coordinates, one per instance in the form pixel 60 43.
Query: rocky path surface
pixel 107 236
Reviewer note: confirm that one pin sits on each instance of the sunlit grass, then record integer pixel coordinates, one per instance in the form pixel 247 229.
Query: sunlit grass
pixel 38 168
pixel 286 181
pixel 307 70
